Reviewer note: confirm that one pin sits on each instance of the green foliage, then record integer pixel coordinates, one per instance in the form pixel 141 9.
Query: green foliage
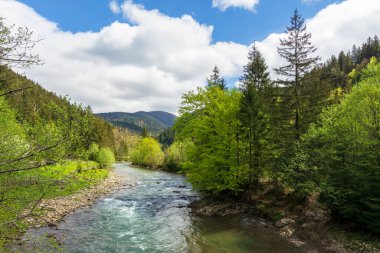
pixel 48 182
pixel 105 157
pixel 93 151
pixel 39 129
pixel 209 119
pixel 72 122
pixel 254 114
pixel 125 141
pixel 148 153
pixel 144 132
pixel 346 146
pixel 166 137
pixel 297 50
pixel 298 174
pixel 177 154
pixel 215 80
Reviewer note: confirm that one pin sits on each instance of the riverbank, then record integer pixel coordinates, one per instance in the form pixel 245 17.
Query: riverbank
pixel 49 212
pixel 309 227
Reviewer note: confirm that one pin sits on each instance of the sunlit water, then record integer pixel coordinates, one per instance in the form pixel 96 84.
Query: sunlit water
pixel 152 216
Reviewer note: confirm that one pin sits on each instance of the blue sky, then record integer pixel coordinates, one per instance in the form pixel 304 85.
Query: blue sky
pixel 140 59
pixel 234 24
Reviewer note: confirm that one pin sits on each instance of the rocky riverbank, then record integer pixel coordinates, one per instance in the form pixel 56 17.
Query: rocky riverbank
pixel 49 212
pixel 307 227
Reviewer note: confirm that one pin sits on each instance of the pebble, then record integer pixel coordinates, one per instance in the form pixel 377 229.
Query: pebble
pixel 54 210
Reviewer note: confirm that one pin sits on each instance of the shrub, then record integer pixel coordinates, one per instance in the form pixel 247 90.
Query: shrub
pixel 148 153
pixel 105 157
pixel 93 151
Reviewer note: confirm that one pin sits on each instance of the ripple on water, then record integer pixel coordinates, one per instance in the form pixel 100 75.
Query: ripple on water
pixel 153 217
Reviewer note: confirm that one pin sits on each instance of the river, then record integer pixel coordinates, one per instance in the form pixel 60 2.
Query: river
pixel 153 216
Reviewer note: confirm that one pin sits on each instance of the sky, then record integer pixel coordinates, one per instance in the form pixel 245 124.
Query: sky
pixel 117 55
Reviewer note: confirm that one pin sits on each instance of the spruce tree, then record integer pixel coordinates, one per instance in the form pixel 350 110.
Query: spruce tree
pixel 252 114
pixel 215 80
pixel 296 49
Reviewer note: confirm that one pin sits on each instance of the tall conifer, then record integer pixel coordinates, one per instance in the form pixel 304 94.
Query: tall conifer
pixel 252 114
pixel 296 49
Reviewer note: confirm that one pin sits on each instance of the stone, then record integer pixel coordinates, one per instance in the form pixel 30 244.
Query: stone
pixel 284 222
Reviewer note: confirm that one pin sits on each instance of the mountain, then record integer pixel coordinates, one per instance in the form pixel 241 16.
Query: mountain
pixel 155 121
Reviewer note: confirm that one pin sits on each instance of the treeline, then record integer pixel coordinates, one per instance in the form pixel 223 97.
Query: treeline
pixel 72 122
pixel 313 131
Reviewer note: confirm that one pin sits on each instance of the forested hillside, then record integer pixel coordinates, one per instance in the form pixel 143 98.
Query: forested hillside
pixel 35 105
pixel 154 122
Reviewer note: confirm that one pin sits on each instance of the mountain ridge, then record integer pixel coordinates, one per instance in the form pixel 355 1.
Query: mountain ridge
pixel 154 121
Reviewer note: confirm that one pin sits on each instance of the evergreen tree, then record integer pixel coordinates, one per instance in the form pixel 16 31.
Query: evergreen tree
pixel 144 132
pixel 296 49
pixel 216 80
pixel 252 115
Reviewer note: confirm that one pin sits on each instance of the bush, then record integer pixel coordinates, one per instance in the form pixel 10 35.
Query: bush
pixel 93 151
pixel 177 155
pixel 105 157
pixel 148 153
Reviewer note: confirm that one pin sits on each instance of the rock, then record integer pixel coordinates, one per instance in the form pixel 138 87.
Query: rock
pixel 287 231
pixel 284 222
pixel 176 191
pixel 55 209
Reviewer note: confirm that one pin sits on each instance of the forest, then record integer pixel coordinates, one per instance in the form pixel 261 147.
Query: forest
pixel 311 130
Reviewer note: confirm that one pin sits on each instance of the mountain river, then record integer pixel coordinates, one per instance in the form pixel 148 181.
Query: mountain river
pixel 153 216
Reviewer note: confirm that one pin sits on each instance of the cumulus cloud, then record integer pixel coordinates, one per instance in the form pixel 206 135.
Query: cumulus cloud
pixel 225 4
pixel 336 27
pixel 123 67
pixel 114 6
pixel 147 63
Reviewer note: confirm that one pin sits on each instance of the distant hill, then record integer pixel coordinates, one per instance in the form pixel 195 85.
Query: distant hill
pixel 155 121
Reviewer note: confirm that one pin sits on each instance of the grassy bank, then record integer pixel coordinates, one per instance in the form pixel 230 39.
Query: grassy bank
pixel 45 183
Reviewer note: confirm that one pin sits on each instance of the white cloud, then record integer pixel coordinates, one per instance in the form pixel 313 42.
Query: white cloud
pixel 148 65
pixel 123 67
pixel 225 4
pixel 336 27
pixel 114 6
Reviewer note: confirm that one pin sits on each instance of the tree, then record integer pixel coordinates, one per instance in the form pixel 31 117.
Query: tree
pixel 93 151
pixel 15 48
pixel 208 119
pixel 144 132
pixel 296 49
pixel 345 146
pixel 148 153
pixel 215 80
pixel 252 115
pixel 105 157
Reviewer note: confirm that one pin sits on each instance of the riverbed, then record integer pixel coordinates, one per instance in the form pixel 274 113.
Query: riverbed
pixel 153 216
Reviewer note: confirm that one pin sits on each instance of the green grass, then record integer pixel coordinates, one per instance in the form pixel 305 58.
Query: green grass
pixel 19 191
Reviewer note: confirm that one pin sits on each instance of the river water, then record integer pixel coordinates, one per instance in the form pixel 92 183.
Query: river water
pixel 152 216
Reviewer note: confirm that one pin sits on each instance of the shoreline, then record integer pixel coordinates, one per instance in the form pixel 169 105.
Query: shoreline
pixel 56 209
pixel 308 231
